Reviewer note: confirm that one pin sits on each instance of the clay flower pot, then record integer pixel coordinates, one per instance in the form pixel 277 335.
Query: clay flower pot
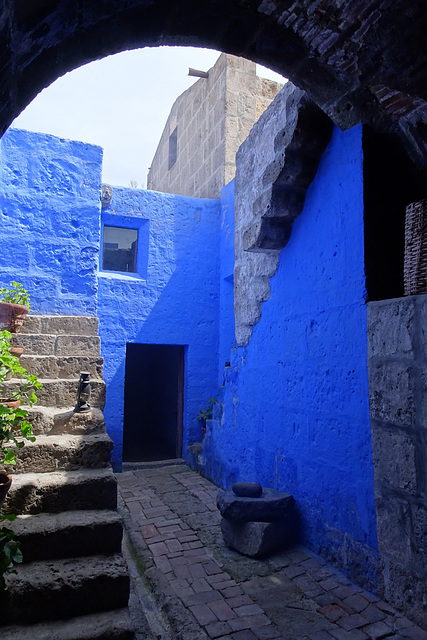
pixel 5 482
pixel 12 316
pixel 13 404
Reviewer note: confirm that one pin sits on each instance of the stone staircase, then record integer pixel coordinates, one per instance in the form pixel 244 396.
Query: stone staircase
pixel 73 584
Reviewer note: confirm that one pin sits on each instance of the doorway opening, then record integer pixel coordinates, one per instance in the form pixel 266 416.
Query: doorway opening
pixel 154 395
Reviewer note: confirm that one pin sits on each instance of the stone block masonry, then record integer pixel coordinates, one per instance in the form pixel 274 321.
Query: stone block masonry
pixel 49 218
pixel 397 360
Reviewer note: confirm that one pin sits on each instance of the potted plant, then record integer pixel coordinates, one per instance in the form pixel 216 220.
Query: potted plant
pixel 206 414
pixel 14 306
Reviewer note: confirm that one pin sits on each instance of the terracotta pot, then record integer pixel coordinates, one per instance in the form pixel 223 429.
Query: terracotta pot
pixel 13 404
pixel 12 316
pixel 5 482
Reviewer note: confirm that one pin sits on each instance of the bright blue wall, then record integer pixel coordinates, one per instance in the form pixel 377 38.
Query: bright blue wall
pixel 226 293
pixel 49 220
pixel 295 413
pixel 175 300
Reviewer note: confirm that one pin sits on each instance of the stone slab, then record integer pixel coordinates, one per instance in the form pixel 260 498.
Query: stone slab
pixel 63 452
pixel 61 325
pixel 73 534
pixel 64 588
pixel 62 491
pixel 255 539
pixel 272 505
pixel 99 626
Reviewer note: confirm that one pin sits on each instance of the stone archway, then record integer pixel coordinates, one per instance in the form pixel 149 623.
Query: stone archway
pixel 362 61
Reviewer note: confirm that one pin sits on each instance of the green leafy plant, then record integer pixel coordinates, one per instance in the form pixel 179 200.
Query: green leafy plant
pixel 206 414
pixel 17 294
pixel 10 552
pixel 14 425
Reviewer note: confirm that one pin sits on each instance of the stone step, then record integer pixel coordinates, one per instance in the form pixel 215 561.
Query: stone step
pixel 54 345
pixel 64 588
pixel 86 489
pixel 71 534
pixel 52 421
pixel 111 625
pixel 63 453
pixel 62 366
pixel 61 325
pixel 60 393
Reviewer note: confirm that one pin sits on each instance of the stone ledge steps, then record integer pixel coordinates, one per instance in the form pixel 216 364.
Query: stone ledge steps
pixel 62 393
pixel 57 421
pixel 60 325
pixel 86 489
pixel 47 536
pixel 112 625
pixel 57 345
pixel 65 588
pixel 62 366
pixel 63 453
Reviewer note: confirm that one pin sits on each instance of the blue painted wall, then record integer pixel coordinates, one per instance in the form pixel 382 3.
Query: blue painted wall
pixel 49 220
pixel 173 300
pixel 226 266
pixel 295 404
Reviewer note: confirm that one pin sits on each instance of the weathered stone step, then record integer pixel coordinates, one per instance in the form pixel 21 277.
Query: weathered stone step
pixel 62 366
pixel 71 534
pixel 64 588
pixel 86 489
pixel 63 453
pixel 54 345
pixel 61 393
pixel 61 325
pixel 112 625
pixel 51 420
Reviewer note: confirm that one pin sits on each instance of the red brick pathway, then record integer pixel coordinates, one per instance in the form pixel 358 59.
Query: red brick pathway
pixel 206 591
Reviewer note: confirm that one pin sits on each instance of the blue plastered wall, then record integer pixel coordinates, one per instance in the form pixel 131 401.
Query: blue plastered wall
pixel 226 293
pixel 50 220
pixel 173 300
pixel 294 412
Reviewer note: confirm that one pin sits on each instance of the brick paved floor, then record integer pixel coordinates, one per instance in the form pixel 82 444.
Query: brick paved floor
pixel 202 590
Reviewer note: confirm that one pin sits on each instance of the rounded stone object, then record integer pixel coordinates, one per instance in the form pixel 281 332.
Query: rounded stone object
pixel 247 489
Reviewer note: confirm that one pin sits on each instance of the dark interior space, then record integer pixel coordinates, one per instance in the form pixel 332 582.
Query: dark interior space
pixel 390 184
pixel 154 383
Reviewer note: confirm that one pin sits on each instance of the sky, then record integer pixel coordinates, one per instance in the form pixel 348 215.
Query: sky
pixel 120 103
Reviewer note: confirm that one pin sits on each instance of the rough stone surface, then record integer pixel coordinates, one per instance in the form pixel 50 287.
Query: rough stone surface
pixel 82 586
pixel 397 383
pixel 64 453
pixel 272 505
pixel 255 539
pixel 51 420
pixel 56 492
pixel 100 626
pixel 46 536
pixel 247 489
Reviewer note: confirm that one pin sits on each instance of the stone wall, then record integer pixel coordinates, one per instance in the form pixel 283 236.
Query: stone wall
pixel 212 119
pixel 293 412
pixel 174 301
pixel 397 387
pixel 49 217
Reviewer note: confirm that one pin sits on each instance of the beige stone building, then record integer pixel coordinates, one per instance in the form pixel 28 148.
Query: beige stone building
pixel 206 126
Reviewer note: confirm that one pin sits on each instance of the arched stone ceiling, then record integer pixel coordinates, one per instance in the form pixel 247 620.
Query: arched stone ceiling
pixel 358 60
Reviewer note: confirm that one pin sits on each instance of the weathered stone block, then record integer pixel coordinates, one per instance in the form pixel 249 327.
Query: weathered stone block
pixel 271 506
pixel 247 489
pixel 394 458
pixel 391 392
pixel 391 327
pixel 394 527
pixel 255 539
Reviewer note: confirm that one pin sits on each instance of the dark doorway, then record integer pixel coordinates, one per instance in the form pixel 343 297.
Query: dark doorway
pixel 154 389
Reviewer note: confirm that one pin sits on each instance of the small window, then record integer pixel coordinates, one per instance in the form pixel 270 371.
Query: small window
pixel 173 147
pixel 119 249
